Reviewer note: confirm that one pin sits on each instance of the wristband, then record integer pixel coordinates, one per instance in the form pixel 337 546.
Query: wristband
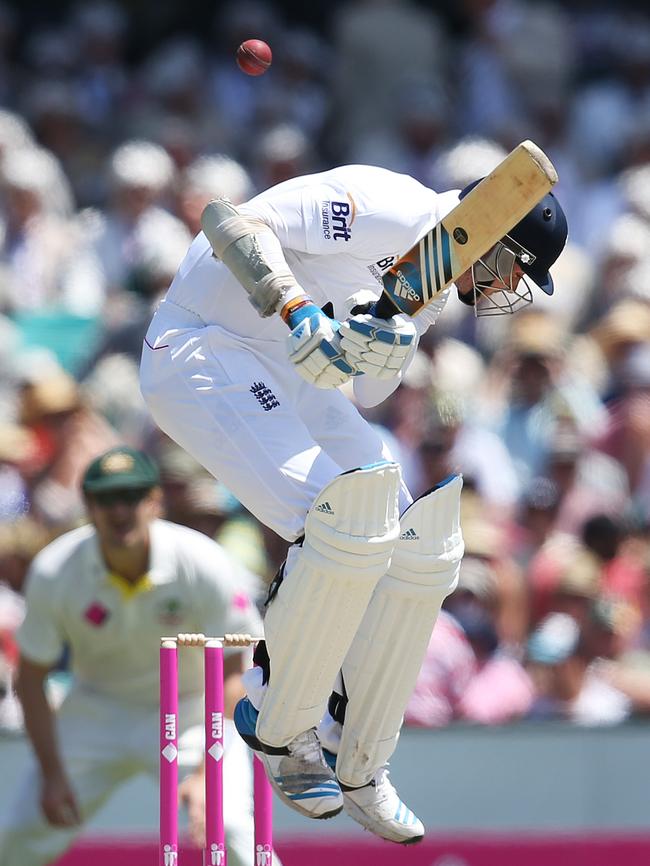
pixel 293 305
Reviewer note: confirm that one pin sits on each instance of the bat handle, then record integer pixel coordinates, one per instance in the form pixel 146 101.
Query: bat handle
pixel 385 307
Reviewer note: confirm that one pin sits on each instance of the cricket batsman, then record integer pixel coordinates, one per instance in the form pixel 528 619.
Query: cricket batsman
pixel 350 614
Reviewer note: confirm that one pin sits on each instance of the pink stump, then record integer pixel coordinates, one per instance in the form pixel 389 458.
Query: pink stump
pixel 215 840
pixel 168 855
pixel 263 797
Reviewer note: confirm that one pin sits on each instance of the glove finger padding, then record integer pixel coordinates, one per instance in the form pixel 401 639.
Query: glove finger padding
pixel 384 350
pixel 314 348
pixel 378 347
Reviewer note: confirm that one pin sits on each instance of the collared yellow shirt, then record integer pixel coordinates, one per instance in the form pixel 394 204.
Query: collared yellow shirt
pixel 113 627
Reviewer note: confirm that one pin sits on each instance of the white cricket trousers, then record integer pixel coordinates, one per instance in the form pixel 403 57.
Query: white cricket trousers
pixel 241 410
pixel 104 743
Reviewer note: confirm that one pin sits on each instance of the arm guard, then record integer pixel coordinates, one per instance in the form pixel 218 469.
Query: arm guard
pixel 252 252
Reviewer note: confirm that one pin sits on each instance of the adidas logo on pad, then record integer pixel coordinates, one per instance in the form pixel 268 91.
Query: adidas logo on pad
pixel 325 507
pixel 410 535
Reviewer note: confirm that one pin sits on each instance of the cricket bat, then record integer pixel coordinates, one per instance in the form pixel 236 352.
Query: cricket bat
pixel 483 217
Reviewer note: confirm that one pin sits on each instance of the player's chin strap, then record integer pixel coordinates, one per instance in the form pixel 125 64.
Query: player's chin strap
pixel 498 264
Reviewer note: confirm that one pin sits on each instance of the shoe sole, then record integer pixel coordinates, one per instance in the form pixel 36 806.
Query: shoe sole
pixel 358 815
pixel 292 804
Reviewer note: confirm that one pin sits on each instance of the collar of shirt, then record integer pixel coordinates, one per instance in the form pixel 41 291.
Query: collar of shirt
pixel 162 563
pixel 130 588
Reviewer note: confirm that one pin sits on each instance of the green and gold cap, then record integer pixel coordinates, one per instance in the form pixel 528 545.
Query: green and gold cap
pixel 121 468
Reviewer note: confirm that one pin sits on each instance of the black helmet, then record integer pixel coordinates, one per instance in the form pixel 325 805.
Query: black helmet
pixel 542 232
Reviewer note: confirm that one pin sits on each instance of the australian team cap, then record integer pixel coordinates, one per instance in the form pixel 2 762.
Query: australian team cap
pixel 121 468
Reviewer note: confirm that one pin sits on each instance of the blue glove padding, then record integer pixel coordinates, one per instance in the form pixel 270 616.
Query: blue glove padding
pixel 314 348
pixel 378 347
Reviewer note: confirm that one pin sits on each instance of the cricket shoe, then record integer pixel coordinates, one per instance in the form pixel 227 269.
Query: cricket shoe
pixel 378 808
pixel 297 772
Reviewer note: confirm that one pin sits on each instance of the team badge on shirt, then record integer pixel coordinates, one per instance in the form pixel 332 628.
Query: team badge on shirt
pixel 96 614
pixel 264 396
pixel 170 611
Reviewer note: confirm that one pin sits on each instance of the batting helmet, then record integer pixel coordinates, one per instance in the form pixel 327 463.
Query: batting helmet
pixel 543 233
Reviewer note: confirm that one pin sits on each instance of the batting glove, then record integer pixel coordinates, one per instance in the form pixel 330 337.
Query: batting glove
pixel 378 347
pixel 315 350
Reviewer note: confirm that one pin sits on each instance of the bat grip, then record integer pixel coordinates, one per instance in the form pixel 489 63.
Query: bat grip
pixel 385 308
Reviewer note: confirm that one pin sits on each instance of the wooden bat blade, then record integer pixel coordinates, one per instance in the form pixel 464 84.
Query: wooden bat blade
pixel 483 217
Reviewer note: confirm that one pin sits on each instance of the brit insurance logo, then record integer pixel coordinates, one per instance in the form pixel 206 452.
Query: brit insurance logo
pixel 378 269
pixel 336 219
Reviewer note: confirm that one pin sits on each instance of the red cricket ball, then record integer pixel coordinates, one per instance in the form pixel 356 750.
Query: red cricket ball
pixel 254 57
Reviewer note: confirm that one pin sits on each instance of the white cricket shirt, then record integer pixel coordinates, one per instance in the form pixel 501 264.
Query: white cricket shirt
pixel 340 231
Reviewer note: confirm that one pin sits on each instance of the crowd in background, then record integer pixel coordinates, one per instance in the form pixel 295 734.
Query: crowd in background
pixel 106 160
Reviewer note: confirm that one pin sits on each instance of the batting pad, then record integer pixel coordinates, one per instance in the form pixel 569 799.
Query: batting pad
pixel 350 533
pixel 381 668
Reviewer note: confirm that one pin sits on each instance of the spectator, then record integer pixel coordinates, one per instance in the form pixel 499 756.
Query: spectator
pixel 448 668
pixel 301 91
pixel 615 334
pixel 206 178
pixel 193 498
pixel 415 139
pixel 12 611
pixel 140 175
pixel 452 442
pixel 535 393
pixel 10 712
pixel 282 152
pixel 20 541
pixel 8 33
pixel 485 533
pixel 15 133
pixel 56 113
pixel 467 673
pixel 461 163
pixel 17 447
pixel 47 266
pixel 111 388
pixel 172 100
pixel 365 85
pixel 101 28
pixel 534 521
pixel 68 434
pixel 239 99
pixel 563 662
pixel 627 438
pixel 596 561
pixel 588 482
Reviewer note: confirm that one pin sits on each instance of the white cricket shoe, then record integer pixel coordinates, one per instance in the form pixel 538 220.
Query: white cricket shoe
pixel 298 772
pixel 302 778
pixel 378 808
